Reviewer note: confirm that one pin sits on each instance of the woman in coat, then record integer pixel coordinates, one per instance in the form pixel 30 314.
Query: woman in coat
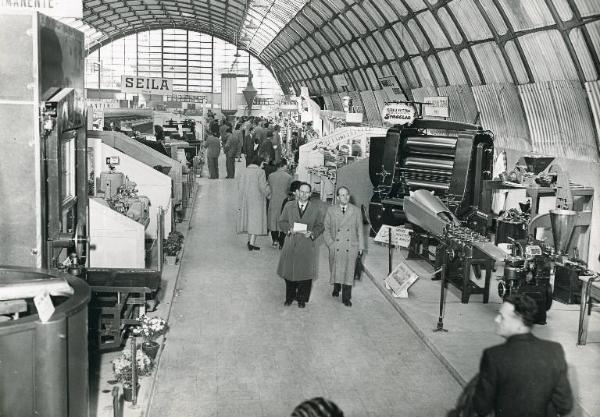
pixel 280 182
pixel 344 236
pixel 253 192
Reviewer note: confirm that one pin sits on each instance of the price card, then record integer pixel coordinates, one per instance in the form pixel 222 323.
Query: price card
pixel 43 304
pixel 400 235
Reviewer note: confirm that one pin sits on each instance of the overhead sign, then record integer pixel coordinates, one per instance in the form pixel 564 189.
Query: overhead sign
pixel 147 85
pixel 436 107
pixel 398 114
pixel 391 88
pixel 54 8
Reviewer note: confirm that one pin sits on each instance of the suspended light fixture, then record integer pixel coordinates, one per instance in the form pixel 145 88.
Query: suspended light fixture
pixel 249 92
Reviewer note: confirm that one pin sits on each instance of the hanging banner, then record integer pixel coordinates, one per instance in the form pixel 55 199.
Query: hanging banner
pixel 147 85
pixel 398 114
pixel 436 107
pixel 391 88
pixel 54 8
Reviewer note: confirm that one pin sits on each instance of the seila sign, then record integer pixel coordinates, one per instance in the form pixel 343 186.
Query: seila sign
pixel 148 85
pixel 398 114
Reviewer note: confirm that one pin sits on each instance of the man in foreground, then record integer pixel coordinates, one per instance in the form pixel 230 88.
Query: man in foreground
pixel 525 376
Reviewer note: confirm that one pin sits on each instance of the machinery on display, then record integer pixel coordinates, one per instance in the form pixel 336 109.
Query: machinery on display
pixel 450 159
pixel 44 218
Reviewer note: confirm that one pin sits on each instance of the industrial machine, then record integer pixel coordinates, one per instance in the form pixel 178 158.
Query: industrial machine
pixel 450 159
pixel 43 199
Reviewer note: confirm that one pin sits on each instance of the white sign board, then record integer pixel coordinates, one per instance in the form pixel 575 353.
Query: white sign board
pixel 400 235
pixel 391 88
pixel 400 280
pixel 398 114
pixel 436 107
pixel 146 85
pixel 54 8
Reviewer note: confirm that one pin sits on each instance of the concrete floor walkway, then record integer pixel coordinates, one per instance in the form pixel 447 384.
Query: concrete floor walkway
pixel 234 350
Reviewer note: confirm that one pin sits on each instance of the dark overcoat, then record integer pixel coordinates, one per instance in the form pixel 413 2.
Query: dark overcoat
pixel 344 237
pixel 213 147
pixel 299 256
pixel 525 376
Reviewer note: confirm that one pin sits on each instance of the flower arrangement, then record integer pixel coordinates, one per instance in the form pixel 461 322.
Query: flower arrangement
pixel 123 366
pixel 173 243
pixel 150 328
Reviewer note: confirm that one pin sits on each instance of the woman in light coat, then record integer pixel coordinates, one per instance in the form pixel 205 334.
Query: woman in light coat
pixel 253 192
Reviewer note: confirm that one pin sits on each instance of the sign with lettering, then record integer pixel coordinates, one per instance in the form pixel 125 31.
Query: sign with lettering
pixel 147 85
pixel 400 235
pixel 54 8
pixel 391 88
pixel 436 107
pixel 398 114
pixel 400 280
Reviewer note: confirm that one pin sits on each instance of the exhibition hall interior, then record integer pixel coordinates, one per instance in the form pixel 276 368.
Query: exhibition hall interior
pixel 319 208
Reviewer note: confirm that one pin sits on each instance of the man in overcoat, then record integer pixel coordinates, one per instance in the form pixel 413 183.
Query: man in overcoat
pixel 525 376
pixel 302 220
pixel 344 237
pixel 232 148
pixel 213 150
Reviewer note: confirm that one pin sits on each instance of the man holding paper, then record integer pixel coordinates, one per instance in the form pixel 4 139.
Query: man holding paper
pixel 303 223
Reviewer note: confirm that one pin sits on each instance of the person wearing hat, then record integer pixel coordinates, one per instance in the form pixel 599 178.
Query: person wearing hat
pixel 317 407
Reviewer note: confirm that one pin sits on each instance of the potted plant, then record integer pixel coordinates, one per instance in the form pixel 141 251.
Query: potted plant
pixel 172 246
pixel 123 370
pixel 151 328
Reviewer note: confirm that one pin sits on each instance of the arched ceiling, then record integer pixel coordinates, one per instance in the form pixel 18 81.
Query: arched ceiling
pixel 422 42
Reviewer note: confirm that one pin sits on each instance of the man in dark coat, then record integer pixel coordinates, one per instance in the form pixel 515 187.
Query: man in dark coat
pixel 232 148
pixel 248 148
pixel 302 220
pixel 213 150
pixel 525 376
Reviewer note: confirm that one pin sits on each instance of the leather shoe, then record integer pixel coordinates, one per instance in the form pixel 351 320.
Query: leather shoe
pixel 348 303
pixel 335 294
pixel 255 247
pixel 301 304
pixel 287 303
pixel 249 246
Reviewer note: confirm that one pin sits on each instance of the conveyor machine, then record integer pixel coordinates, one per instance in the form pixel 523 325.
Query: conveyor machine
pixel 450 159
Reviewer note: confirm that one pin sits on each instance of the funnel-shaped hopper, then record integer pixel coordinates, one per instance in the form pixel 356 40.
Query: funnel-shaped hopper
pixel 537 163
pixel 563 224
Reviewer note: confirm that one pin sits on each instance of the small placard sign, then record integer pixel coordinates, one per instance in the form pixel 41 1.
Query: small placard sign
pixel 398 114
pixel 44 306
pixel 400 235
pixel 436 107
pixel 400 280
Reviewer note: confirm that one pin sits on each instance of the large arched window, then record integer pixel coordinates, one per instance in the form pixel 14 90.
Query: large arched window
pixel 193 60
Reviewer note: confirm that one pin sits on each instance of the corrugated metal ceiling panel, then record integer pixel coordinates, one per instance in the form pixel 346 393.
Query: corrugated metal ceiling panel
pixel 495 17
pixel 371 109
pixel 583 54
pixel 433 30
pixel 373 13
pixel 467 60
pixel 501 112
pixel 337 102
pixel 386 9
pixel 372 77
pixel 492 63
pixel 436 70
pixel 380 98
pixel 328 102
pixel 548 56
pixel 450 26
pixel 416 5
pixel 563 9
pixel 399 7
pixel 470 20
pixel 593 93
pixel 452 67
pixel 594 32
pixel 419 94
pixel 530 14
pixel 387 50
pixel 393 41
pixel 405 38
pixel 422 71
pixel 516 62
pixel 411 77
pixel 588 7
pixel 420 39
pixel 461 102
pixel 398 72
pixel 559 119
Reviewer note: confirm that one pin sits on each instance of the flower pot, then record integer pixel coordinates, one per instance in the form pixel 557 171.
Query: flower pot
pixel 128 393
pixel 151 349
pixel 170 260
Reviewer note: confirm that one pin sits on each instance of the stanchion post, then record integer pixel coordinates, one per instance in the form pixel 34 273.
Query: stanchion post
pixel 134 375
pixel 440 323
pixel 390 254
